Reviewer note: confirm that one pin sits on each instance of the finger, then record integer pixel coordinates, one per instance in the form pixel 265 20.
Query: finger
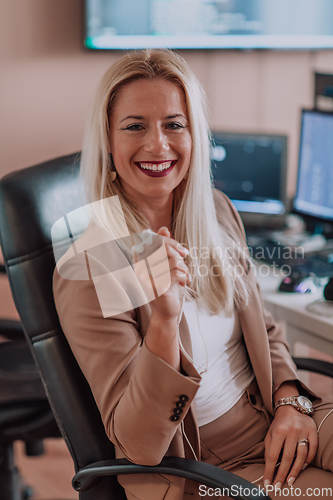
pixel 163 266
pixel 180 249
pixel 179 272
pixel 158 259
pixel 181 267
pixel 301 457
pixel 163 231
pixel 309 451
pixel 174 262
pixel 180 277
pixel 174 251
pixel 313 446
pixel 273 447
pixel 288 456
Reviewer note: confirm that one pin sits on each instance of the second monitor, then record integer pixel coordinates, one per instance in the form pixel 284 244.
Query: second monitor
pixel 251 169
pixel 314 194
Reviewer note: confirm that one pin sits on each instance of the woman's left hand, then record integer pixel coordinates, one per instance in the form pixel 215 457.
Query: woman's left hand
pixel 287 430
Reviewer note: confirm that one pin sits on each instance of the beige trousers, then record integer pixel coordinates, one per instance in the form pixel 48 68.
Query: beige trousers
pixel 235 442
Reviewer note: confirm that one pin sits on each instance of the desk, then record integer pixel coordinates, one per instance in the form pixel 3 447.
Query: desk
pixel 301 325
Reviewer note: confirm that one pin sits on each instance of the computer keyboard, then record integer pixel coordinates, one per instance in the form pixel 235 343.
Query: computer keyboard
pixel 316 265
pixel 292 259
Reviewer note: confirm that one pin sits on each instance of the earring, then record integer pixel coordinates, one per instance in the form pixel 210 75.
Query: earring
pixel 113 172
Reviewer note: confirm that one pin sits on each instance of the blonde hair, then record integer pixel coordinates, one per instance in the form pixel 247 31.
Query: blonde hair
pixel 194 219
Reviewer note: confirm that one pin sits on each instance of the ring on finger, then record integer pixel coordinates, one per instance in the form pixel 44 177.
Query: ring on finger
pixel 303 442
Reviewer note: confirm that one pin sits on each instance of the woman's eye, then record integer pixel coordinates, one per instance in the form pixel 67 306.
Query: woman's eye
pixel 175 126
pixel 135 126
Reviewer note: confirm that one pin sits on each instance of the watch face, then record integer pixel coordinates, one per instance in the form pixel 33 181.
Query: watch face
pixel 304 402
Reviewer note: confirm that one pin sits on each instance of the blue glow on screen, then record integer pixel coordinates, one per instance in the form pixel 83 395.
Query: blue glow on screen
pixel 273 207
pixel 206 42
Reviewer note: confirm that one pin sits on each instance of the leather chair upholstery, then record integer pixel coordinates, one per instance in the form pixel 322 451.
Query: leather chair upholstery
pixel 31 200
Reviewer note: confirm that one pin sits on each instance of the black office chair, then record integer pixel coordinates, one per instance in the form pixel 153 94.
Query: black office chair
pixel 31 200
pixel 25 413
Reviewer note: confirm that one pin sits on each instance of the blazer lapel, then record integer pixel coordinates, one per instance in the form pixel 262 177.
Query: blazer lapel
pixel 257 345
pixel 144 315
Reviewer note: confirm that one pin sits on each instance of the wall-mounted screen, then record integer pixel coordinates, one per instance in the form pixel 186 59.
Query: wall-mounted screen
pixel 209 24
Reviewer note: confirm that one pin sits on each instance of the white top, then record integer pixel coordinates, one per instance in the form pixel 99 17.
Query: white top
pixel 220 356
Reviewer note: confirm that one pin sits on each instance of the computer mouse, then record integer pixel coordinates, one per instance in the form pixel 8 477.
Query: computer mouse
pixel 328 290
pixel 297 282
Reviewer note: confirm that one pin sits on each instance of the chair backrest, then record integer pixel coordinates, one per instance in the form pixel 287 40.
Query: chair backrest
pixel 31 200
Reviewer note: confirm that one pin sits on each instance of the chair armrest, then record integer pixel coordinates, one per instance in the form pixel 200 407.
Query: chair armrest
pixel 209 475
pixel 314 365
pixel 11 329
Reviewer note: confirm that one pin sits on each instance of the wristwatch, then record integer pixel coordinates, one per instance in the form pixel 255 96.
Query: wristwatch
pixel 300 403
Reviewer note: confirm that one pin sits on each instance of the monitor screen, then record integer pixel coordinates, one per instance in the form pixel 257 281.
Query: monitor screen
pixel 202 24
pixel 314 193
pixel 251 170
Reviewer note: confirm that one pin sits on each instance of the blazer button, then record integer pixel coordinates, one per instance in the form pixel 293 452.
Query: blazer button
pixel 174 418
pixel 183 397
pixel 253 399
pixel 178 411
pixel 180 404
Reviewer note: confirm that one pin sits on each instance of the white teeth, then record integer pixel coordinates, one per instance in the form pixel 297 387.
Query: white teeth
pixel 156 168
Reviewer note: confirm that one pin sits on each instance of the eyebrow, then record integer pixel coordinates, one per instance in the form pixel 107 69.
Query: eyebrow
pixel 134 117
pixel 176 116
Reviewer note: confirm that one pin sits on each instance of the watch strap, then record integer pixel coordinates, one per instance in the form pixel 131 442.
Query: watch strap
pixel 292 401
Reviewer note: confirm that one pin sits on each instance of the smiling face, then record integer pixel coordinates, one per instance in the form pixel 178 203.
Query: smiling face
pixel 150 139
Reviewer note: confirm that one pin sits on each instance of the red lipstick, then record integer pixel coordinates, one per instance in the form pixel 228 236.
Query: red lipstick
pixel 151 173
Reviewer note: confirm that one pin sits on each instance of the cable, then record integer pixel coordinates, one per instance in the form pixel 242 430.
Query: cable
pixel 188 442
pixel 182 349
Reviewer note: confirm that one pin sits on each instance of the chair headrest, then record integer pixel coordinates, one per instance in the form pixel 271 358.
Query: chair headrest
pixel 32 199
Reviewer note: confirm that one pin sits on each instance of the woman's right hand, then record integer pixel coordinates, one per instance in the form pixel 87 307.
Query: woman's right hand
pixel 168 305
pixel 162 334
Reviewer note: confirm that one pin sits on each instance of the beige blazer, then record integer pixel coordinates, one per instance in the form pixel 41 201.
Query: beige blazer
pixel 136 392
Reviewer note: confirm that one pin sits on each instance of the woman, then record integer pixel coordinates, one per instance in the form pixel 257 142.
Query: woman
pixel 206 338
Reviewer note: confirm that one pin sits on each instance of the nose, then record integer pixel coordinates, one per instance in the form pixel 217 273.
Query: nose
pixel 156 142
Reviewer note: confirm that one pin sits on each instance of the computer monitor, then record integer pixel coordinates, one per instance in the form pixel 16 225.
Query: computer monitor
pixel 251 170
pixel 314 193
